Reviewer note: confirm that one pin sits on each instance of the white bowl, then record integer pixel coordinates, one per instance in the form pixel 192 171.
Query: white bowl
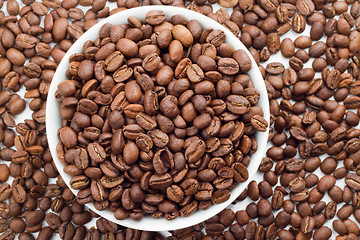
pixel 53 120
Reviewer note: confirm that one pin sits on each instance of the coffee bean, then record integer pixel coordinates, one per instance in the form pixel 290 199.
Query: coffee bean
pixel 243 60
pixel 330 210
pixel 352 180
pixel 305 7
pixel 269 6
pixel 287 48
pixel 322 233
pixel 155 17
pixel 4 171
pixel 195 151
pixel 298 24
pixel 96 152
pixel 214 229
pixel 146 122
pixel 240 172
pixel 297 185
pixel 259 123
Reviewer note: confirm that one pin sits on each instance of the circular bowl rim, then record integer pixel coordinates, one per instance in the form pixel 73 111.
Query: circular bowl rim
pixel 53 120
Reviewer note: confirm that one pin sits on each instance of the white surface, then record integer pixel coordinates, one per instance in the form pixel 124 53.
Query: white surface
pixel 53 122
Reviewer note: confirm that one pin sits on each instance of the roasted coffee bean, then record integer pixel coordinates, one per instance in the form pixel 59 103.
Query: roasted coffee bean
pixel 155 17
pixel 330 210
pixel 299 23
pixel 214 229
pixel 322 233
pixel 4 173
pixel 19 194
pixel 259 123
pixel 353 181
pixel 240 172
pixel 195 151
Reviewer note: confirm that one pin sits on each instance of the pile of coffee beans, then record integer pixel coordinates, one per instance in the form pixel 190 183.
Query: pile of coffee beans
pixel 158 118
pixel 311 94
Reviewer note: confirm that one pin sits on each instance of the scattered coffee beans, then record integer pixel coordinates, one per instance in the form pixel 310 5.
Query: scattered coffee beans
pixel 316 92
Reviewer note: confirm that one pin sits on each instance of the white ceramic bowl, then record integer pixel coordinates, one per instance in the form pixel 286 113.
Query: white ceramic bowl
pixel 53 120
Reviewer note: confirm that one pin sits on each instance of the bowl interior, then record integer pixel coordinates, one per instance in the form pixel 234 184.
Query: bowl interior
pixel 53 120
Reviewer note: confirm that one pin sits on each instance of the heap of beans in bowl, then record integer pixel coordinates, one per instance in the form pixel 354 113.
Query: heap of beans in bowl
pixel 158 117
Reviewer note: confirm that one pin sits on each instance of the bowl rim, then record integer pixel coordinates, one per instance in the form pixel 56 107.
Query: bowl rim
pixel 54 122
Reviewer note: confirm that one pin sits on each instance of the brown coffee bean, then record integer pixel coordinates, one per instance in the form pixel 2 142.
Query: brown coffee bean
pixel 175 193
pixel 162 181
pixel 162 161
pixel 243 60
pixel 214 229
pixel 306 8
pixel 79 182
pixel 322 233
pixel 151 62
pixel 130 153
pixel 307 224
pixel 352 180
pixel 4 171
pixel 287 48
pixel 19 194
pixel 269 6
pixel 195 151
pixel 259 123
pixel 155 17
pixel 96 152
pixel 146 122
pixel 298 23
pixel 228 66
